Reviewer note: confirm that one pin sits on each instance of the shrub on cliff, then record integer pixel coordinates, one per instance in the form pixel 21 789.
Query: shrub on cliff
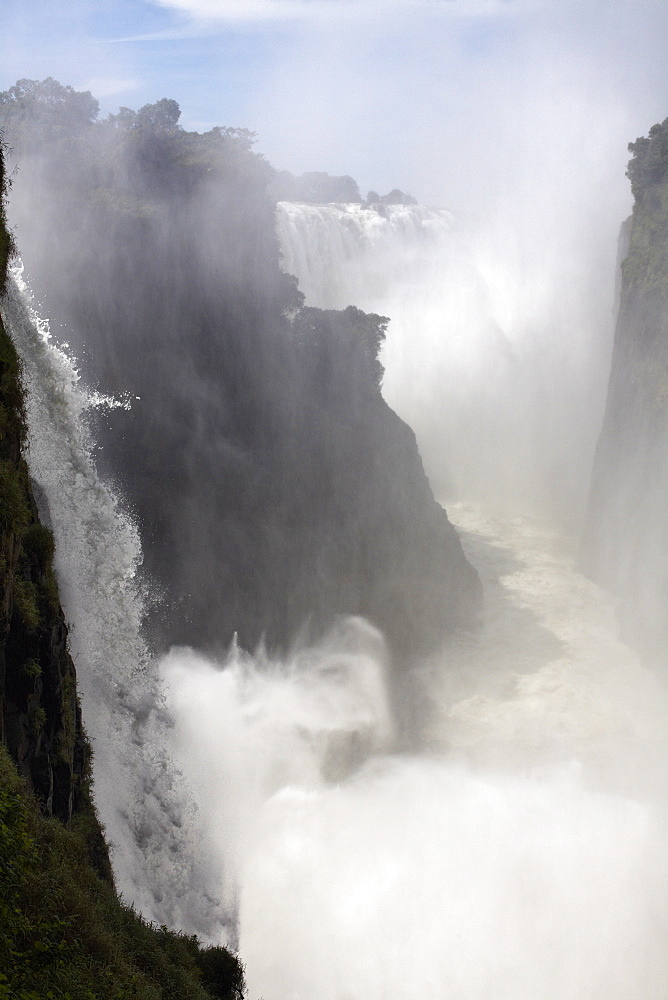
pixel 63 932
pixel 649 163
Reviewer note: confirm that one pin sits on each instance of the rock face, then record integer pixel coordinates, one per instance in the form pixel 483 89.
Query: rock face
pixel 40 718
pixel 273 487
pixel 626 535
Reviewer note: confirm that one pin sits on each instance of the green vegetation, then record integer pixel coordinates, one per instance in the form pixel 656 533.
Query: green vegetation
pixel 315 187
pixel 47 108
pixel 65 935
pixel 649 164
pixel 626 531
pixel 14 508
pixel 647 262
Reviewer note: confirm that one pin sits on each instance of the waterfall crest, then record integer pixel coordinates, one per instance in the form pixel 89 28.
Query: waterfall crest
pixel 490 333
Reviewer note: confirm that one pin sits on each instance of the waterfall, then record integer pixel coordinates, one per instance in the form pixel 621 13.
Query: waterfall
pixel 497 350
pixel 147 813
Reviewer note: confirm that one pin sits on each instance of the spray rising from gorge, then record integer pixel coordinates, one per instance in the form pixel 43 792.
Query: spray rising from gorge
pixel 482 816
pixel 494 355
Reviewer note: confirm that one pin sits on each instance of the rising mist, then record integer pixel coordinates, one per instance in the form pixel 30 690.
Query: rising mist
pixel 479 812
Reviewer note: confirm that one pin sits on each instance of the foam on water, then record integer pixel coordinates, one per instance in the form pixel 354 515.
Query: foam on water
pixel 521 856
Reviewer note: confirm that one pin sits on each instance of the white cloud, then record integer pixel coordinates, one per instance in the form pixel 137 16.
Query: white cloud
pixel 108 86
pixel 313 10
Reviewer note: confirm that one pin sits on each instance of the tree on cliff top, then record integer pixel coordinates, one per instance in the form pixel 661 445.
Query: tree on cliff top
pixel 38 110
pixel 649 163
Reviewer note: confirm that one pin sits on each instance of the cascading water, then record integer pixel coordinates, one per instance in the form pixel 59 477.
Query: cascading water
pixel 147 813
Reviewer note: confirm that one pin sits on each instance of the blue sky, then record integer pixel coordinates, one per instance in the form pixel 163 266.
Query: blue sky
pixel 451 99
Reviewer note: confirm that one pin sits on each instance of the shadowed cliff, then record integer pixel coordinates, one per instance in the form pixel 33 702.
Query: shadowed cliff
pixel 626 535
pixel 273 487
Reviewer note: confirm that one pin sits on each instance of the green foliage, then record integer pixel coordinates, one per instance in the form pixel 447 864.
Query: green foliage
pixel 15 511
pixel 36 718
pixel 12 408
pixel 35 111
pixel 26 603
pixel 38 542
pixel 649 164
pixel 66 739
pixel 49 587
pixel 341 350
pixel 394 197
pixel 646 264
pixel 161 117
pixel 64 933
pixel 316 187
pixel 222 974
pixel 31 668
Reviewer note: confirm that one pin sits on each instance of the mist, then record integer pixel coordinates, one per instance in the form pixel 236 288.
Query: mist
pixel 516 119
pixel 498 349
pixel 517 848
pixel 375 760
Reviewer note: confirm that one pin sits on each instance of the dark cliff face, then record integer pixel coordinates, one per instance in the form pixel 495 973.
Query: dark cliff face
pixel 273 487
pixel 40 717
pixel 626 535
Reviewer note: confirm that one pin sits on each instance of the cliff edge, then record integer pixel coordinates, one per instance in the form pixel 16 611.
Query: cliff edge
pixel 625 545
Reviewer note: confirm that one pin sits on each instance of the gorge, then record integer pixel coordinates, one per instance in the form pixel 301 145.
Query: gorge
pixel 363 742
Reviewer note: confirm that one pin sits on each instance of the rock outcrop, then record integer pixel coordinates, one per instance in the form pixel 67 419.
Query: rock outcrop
pixel 273 487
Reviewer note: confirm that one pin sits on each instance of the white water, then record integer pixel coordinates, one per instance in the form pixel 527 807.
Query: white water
pixel 147 812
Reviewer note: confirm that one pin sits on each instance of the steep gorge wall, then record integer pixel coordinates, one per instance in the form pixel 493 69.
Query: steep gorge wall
pixel 626 535
pixel 273 487
pixel 40 716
